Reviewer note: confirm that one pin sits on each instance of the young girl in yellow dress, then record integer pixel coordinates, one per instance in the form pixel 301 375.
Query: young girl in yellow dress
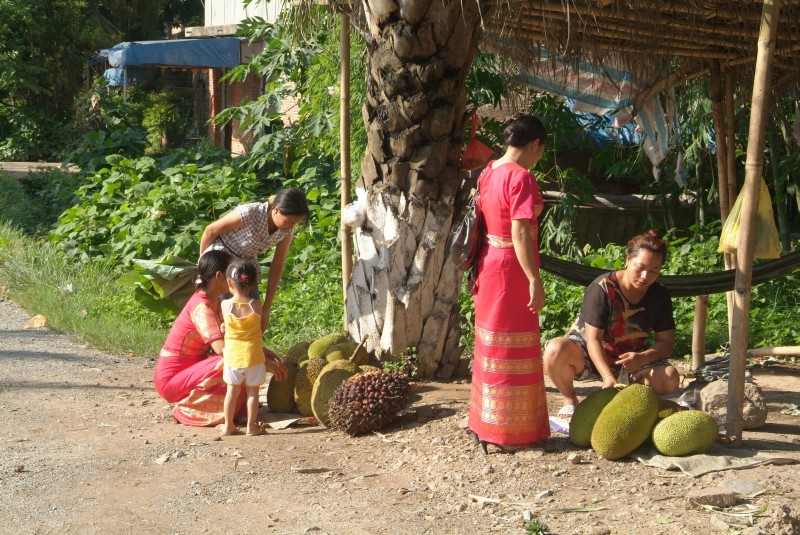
pixel 243 355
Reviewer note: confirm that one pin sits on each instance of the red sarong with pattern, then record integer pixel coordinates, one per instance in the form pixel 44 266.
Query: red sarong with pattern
pixel 204 403
pixel 508 404
pixel 185 372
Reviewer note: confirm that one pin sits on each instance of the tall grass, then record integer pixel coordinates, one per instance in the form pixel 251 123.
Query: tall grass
pixel 76 297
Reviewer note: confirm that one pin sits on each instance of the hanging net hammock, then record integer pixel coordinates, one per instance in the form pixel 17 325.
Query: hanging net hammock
pixel 679 285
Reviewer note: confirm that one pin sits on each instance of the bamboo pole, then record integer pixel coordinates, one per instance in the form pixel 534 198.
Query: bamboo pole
pixel 701 301
pixel 720 141
pixel 344 147
pixel 780 351
pixel 746 246
pixel 730 175
pixel 699 331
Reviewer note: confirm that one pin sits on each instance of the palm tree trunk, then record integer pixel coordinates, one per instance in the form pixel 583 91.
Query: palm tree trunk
pixel 404 290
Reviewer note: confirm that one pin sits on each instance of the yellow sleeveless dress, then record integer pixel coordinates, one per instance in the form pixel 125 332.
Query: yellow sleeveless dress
pixel 243 346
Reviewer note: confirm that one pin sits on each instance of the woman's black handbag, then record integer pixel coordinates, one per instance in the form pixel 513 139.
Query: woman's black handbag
pixel 467 236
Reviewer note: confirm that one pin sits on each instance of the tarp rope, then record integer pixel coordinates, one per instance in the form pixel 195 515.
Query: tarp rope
pixel 679 285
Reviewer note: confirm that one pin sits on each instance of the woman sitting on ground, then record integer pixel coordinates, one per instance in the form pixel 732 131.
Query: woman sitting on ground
pixel 608 340
pixel 189 369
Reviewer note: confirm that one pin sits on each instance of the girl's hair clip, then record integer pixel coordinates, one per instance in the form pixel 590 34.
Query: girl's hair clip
pixel 243 276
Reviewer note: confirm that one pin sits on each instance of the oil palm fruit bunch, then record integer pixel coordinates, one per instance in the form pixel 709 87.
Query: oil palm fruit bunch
pixel 368 401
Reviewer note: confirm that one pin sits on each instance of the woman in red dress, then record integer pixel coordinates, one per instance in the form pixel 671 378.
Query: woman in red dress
pixel 189 369
pixel 508 405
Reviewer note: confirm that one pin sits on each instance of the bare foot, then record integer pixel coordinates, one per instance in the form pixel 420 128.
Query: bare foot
pixel 226 431
pixel 255 431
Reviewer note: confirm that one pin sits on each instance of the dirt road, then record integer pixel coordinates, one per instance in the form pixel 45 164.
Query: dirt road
pixel 87 446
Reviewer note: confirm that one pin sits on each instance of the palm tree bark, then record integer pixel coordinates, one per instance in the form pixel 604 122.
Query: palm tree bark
pixel 404 290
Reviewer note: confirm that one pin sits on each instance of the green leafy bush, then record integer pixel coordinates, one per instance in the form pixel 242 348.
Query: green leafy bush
pixel 34 204
pixel 16 208
pixel 137 209
pixel 165 120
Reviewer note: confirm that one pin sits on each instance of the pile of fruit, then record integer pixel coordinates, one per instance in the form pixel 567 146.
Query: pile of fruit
pixel 615 421
pixel 333 369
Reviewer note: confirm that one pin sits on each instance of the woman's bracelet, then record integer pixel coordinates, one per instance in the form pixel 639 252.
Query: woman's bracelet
pixel 608 375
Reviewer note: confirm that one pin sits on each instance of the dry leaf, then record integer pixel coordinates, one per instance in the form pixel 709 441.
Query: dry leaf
pixel 36 322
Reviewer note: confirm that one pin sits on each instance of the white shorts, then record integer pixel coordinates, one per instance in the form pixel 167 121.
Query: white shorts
pixel 250 376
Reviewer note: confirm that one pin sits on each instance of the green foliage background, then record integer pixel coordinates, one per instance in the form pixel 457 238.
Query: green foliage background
pixel 134 201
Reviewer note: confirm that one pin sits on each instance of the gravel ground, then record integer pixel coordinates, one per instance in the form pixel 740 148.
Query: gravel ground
pixel 87 446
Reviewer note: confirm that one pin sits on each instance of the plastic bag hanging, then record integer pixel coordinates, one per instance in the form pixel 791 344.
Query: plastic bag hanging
pixel 767 242
pixel 476 154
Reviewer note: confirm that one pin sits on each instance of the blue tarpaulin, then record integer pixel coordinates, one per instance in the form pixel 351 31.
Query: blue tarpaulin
pixel 191 53
pixel 120 77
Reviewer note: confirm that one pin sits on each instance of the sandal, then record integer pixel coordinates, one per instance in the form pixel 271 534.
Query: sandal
pixel 566 412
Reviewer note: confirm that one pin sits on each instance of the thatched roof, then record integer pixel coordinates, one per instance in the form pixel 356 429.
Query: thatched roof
pixel 688 36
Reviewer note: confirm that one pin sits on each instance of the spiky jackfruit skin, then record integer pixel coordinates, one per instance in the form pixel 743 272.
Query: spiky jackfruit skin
pixel 341 351
pixel 304 384
pixel 280 394
pixel 625 423
pixel 685 433
pixel 297 353
pixel 585 416
pixel 667 407
pixel 319 346
pixel 329 379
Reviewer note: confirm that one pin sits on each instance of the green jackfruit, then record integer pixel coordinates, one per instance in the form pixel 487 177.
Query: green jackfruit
pixel 586 413
pixel 280 394
pixel 667 407
pixel 319 346
pixel 625 423
pixel 685 433
pixel 304 384
pixel 329 379
pixel 362 357
pixel 341 351
pixel 297 353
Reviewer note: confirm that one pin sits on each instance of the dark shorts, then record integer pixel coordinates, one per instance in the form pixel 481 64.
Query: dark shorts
pixel 589 371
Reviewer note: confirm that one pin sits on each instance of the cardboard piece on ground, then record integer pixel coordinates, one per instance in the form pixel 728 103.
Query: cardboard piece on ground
pixel 719 458
pixel 279 420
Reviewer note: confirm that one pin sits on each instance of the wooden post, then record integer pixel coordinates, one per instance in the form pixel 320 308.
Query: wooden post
pixel 701 301
pixel 699 331
pixel 730 177
pixel 344 147
pixel 730 144
pixel 720 141
pixel 746 247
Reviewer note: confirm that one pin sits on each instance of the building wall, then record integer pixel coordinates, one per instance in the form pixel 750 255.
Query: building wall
pixel 221 19
pixel 224 12
pixel 249 89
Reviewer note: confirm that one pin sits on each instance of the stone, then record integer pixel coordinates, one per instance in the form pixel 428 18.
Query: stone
pixel 575 458
pixel 714 496
pixel 743 488
pixel 714 401
pixel 719 523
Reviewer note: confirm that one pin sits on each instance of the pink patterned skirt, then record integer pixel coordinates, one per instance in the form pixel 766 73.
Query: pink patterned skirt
pixel 508 403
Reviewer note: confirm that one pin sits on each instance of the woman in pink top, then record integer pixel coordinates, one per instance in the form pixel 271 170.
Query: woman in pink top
pixel 189 369
pixel 508 407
